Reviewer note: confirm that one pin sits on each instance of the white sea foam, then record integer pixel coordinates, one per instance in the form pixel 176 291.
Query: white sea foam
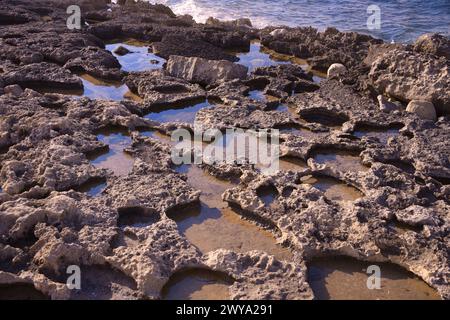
pixel 202 10
pixel 402 21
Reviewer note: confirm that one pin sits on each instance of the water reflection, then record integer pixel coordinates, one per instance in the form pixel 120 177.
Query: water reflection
pixel 95 88
pixel 197 284
pixel 212 224
pixel 178 113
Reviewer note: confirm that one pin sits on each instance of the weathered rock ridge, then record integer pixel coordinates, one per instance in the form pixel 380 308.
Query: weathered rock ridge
pixel 123 238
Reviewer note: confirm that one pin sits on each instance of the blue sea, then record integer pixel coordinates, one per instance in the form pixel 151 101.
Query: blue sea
pixel 401 20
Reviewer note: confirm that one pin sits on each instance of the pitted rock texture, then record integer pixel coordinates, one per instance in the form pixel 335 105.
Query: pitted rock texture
pixel 321 49
pixel 160 90
pixel 280 81
pixel 433 43
pixel 281 280
pixel 396 74
pixel 203 71
pixel 43 74
pixel 123 240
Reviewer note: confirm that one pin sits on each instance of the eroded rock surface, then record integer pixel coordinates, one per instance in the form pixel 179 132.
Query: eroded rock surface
pixel 397 176
pixel 396 74
pixel 203 71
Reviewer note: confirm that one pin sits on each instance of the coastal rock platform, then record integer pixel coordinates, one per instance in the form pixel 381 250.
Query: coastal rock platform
pixel 127 239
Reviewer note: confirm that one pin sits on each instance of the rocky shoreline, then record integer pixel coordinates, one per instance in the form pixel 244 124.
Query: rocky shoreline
pixel 47 140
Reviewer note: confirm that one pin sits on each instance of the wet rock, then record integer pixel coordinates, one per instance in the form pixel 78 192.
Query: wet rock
pixel 180 45
pixel 52 289
pixel 290 71
pixel 205 72
pixel 427 150
pixel 56 249
pixel 320 48
pixel 53 165
pixel 336 70
pixel 313 223
pixel 230 92
pixel 50 44
pixel 121 51
pixel 187 19
pixel 410 76
pixel 154 154
pixel 433 43
pixel 14 90
pixel 305 86
pixel 97 16
pixel 33 58
pixel 18 219
pixel 424 109
pixel 16 288
pixel 280 81
pixel 49 149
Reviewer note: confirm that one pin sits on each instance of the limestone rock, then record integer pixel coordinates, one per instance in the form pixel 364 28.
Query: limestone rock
pixel 189 47
pixel 377 50
pixel 433 43
pixel 204 71
pixel 410 76
pixel 159 90
pixel 278 32
pixel 336 70
pixel 260 276
pixel 386 105
pixel 242 22
pixel 423 109
pixel 42 74
pixel 320 48
pixel 97 62
pixel 121 51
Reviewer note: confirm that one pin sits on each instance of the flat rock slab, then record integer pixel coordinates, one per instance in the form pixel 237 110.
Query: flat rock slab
pixel 203 71
pixel 42 75
pixel 160 90
pixel 179 45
